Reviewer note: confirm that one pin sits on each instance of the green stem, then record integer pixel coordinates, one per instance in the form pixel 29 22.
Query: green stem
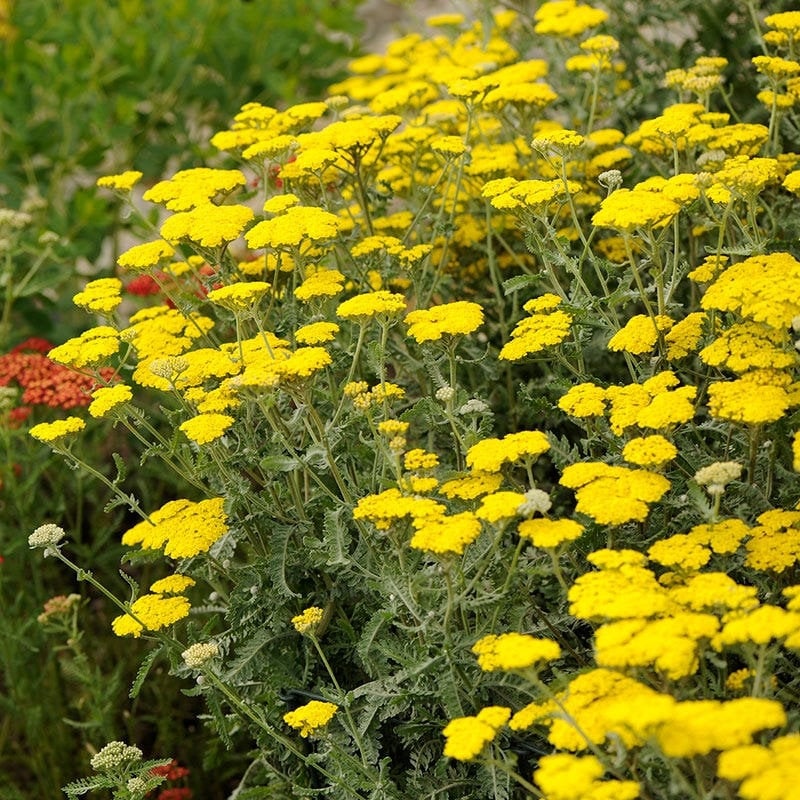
pixel 758 677
pixel 128 499
pixel 515 776
pixel 343 697
pixel 637 277
pixel 362 329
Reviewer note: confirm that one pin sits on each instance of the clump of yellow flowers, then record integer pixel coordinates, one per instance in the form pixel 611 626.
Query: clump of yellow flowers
pixel 490 391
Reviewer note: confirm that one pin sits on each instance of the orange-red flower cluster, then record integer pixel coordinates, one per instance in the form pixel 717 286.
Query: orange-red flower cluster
pixel 43 382
pixel 173 772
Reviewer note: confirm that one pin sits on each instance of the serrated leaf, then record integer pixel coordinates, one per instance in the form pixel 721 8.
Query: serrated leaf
pixel 279 463
pixel 337 539
pixel 370 632
pixel 122 470
pixel 134 586
pixel 142 672
pixel 84 785
pixel 699 500
pixel 220 723
pixel 519 282
pixel 279 541
pixel 242 666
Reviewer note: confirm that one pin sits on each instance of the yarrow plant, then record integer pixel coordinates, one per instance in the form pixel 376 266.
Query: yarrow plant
pixel 487 426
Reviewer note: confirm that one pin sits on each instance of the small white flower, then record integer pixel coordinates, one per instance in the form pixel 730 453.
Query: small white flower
pixel 113 755
pixel 473 406
pixel 611 179
pixel 47 536
pixel 137 785
pixel 536 500
pixel 715 477
pixel 196 655
pixel 445 393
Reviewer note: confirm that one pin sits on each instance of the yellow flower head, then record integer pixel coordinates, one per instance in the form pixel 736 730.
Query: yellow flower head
pixel 466 737
pixel 308 621
pixel 205 428
pixel 239 296
pixel 193 187
pixel 54 432
pixel 100 296
pixel 513 651
pixel 123 182
pixel 373 304
pixel 550 533
pixel 151 612
pixel 449 319
pixel 311 718
pixel 108 398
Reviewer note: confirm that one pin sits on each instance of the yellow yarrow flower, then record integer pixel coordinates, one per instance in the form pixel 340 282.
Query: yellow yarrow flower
pixel 489 455
pixel 449 319
pixel 757 398
pixel 92 348
pixel 372 304
pixel 303 363
pixel 776 68
pixel 146 256
pixel 107 398
pixel 316 333
pixel 683 337
pixel 774 543
pixel 181 528
pixel 205 428
pixel 446 535
pixel 513 651
pixel 240 296
pixel 323 283
pixel 100 296
pixel 670 645
pixel 172 584
pixel 122 182
pixel 564 776
pixel 193 187
pixel 785 21
pixel 699 727
pixel 308 621
pixel 613 495
pixel 207 224
pixel 54 432
pixel 760 626
pixel 749 345
pixel 762 288
pixel 297 225
pixel 155 612
pixel 471 486
pixel 311 718
pixel 628 210
pixel 567 18
pixel 385 508
pixel 544 328
pixel 550 533
pixel 500 506
pixel 420 459
pixel 766 772
pixel 649 451
pixel 640 334
pixel 584 400
pixel 466 737
pixel 681 552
